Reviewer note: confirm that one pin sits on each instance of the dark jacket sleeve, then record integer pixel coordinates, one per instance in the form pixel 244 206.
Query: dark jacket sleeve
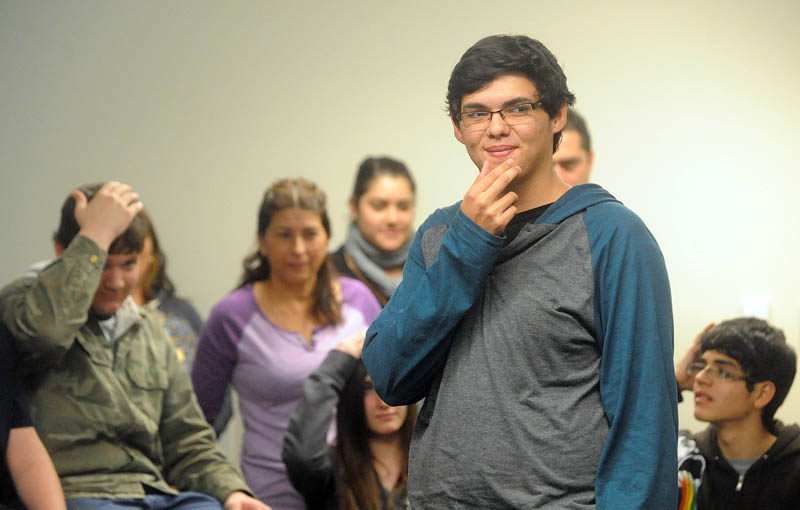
pixel 407 345
pixel 310 466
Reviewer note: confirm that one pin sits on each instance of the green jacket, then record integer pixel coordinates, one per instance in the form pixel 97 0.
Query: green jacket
pixel 115 416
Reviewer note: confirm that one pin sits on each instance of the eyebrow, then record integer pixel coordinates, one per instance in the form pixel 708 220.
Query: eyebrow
pixel 510 102
pixel 721 362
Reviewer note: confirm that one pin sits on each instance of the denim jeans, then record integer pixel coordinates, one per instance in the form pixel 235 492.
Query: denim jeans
pixel 182 501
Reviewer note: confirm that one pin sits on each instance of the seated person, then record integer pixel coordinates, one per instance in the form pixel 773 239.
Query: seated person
pixel 114 407
pixel 27 477
pixel 740 372
pixel 368 468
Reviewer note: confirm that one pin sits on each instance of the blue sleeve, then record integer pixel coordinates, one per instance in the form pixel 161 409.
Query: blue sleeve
pixel 633 318
pixel 407 344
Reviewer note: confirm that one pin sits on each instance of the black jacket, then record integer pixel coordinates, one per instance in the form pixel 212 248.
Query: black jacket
pixel 772 482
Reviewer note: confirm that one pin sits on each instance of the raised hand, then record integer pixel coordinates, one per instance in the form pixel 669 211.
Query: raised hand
pixel 353 345
pixel 486 202
pixel 685 381
pixel 106 216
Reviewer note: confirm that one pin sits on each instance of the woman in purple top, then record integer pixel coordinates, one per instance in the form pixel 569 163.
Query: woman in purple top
pixel 268 335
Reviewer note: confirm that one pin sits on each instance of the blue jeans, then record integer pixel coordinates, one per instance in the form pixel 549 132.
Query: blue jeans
pixel 182 501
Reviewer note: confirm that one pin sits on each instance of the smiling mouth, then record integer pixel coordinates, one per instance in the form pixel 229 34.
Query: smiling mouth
pixel 500 151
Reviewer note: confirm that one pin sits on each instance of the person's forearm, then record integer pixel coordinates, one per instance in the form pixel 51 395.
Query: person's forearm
pixel 32 471
pixel 45 312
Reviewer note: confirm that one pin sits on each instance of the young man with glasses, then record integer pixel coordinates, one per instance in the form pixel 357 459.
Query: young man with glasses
pixel 534 319
pixel 740 372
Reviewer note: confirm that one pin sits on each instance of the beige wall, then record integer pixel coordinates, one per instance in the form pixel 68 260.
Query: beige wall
pixel 694 109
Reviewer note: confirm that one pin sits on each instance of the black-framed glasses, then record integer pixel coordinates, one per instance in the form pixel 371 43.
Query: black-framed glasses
pixel 713 372
pixel 512 115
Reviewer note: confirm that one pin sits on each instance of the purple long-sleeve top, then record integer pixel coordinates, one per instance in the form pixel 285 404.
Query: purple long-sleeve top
pixel 267 366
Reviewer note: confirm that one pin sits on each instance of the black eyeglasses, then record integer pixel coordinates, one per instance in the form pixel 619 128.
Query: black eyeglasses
pixel 513 115
pixel 714 372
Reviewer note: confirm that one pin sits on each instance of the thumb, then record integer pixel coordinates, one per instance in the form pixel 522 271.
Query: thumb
pixel 80 199
pixel 80 204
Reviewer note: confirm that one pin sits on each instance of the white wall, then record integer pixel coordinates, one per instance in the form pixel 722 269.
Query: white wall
pixel 199 105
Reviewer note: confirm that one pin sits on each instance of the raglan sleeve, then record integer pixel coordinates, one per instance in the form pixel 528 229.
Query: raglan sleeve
pixel 633 319
pixel 407 344
pixel 216 358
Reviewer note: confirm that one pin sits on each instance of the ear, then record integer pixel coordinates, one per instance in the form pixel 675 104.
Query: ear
pixel 558 122
pixel 457 130
pixel 763 392
pixel 353 208
pixel 58 248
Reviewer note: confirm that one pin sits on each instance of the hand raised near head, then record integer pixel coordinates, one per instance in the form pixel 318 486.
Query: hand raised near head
pixel 487 203
pixel 106 216
pixel 353 345
pixel 685 381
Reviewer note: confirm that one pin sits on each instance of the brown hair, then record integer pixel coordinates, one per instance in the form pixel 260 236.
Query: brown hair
pixel 358 484
pixel 303 194
pixel 155 279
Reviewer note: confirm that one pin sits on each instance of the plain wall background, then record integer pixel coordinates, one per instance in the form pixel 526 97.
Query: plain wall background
pixel 199 105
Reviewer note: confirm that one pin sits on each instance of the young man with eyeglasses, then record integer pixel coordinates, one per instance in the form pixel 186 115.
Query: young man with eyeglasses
pixel 740 372
pixel 534 319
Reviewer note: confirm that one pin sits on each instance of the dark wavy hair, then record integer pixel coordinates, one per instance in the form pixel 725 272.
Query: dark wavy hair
pixel 500 54
pixel 762 352
pixel 303 194
pixel 130 241
pixel 358 485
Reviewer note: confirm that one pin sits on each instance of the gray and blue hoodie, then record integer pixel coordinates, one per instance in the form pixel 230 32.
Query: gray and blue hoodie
pixel 546 362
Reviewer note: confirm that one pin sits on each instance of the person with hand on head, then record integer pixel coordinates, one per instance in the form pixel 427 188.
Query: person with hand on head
pixel 112 403
pixel 28 479
pixel 574 158
pixel 534 318
pixel 268 335
pixel 740 372
pixel 368 466
pixel 382 210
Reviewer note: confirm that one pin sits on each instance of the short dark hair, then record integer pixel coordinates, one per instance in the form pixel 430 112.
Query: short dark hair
pixel 372 168
pixel 762 352
pixel 130 241
pixel 500 54
pixel 576 122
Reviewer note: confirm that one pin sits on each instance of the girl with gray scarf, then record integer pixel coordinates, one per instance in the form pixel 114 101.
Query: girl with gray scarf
pixel 378 239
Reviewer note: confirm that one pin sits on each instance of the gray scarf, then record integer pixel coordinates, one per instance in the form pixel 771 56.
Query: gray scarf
pixel 372 261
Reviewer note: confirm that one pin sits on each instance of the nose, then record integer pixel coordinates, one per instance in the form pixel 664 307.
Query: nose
pixel 702 376
pixel 391 214
pixel 497 125
pixel 112 279
pixel 298 244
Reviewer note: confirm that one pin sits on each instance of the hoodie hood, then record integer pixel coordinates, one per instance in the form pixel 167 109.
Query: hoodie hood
pixel 574 200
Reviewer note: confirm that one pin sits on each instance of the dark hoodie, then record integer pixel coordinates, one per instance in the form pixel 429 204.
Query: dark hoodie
pixel 772 482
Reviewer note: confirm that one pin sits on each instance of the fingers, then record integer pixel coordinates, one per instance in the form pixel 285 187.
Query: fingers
pixel 108 213
pixel 485 202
